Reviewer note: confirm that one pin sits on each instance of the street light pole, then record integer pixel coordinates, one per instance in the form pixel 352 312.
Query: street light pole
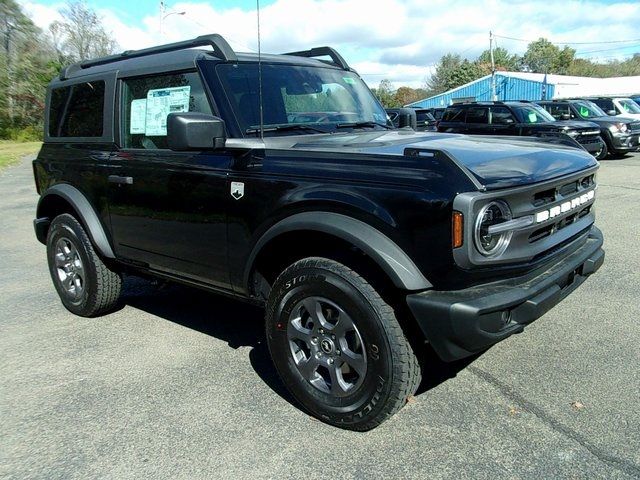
pixel 163 15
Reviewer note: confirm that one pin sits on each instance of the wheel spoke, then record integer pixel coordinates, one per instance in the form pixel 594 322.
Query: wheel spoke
pixel 337 383
pixel 312 306
pixel 308 368
pixel 355 361
pixel 60 260
pixel 67 283
pixel 296 331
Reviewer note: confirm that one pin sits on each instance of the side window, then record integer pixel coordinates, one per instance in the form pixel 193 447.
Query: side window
pixel 77 110
pixel 558 110
pixel 501 116
pixel 605 104
pixel 147 101
pixel 477 115
pixel 453 115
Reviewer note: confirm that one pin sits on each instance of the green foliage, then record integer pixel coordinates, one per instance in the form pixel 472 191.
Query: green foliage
pixel 504 60
pixel 453 71
pixel 542 56
pixel 30 58
pixel 386 95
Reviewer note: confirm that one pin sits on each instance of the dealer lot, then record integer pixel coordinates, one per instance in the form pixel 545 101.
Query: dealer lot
pixel 178 383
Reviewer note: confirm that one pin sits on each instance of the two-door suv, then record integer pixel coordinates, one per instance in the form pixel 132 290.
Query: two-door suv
pixel 521 118
pixel 279 181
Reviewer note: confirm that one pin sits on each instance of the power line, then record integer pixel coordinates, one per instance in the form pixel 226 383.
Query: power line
pixel 609 49
pixel 569 43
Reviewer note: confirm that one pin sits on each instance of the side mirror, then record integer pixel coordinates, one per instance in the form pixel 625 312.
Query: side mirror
pixel 407 118
pixel 612 113
pixel 194 131
pixel 565 116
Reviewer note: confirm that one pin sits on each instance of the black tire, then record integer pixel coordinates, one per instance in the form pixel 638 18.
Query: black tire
pixel 603 153
pixel 86 286
pixel 392 373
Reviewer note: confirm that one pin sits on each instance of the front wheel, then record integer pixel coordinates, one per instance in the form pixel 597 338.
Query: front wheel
pixel 602 153
pixel 338 346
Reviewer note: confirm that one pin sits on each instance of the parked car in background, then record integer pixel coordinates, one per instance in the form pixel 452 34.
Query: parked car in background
pixel 617 106
pixel 519 118
pixel 620 134
pixel 437 112
pixel 425 120
pixel 636 98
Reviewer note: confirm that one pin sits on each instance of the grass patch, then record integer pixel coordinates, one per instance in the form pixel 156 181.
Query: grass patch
pixel 12 152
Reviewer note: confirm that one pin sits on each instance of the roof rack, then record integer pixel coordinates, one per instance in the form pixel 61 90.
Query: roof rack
pixel 323 52
pixel 220 48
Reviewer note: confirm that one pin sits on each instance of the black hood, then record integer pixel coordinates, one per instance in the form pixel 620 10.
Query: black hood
pixel 494 162
pixel 572 124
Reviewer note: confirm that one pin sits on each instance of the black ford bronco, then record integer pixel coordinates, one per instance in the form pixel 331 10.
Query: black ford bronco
pixel 278 180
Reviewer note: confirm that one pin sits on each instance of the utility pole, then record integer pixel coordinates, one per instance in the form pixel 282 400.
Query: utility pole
pixel 493 68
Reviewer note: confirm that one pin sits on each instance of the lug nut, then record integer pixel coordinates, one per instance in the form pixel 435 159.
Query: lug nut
pixel 314 340
pixel 321 331
pixel 337 352
pixel 331 361
pixel 318 355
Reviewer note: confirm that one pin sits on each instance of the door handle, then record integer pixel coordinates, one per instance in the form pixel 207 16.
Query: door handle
pixel 120 180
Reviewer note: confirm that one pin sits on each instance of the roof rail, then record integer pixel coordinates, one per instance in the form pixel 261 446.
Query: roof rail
pixel 322 52
pixel 220 48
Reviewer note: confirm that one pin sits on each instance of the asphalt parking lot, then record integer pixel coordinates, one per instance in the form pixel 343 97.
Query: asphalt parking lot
pixel 178 383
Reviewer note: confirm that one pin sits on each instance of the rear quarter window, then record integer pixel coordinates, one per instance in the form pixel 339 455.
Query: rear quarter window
pixel 453 115
pixel 77 110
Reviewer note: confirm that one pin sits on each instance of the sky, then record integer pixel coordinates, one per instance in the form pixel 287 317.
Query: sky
pixel 399 40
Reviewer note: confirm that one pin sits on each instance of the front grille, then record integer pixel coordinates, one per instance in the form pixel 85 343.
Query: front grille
pixel 588 139
pixel 634 127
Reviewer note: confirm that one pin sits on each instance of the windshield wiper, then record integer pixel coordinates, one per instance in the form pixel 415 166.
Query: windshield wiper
pixel 286 127
pixel 363 124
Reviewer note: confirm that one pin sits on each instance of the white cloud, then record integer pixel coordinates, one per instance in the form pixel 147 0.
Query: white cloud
pixel 394 39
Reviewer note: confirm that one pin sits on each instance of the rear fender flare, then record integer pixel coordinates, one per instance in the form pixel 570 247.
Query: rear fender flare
pixel 86 213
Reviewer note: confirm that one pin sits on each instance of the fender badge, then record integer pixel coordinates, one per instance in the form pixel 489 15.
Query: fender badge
pixel 237 190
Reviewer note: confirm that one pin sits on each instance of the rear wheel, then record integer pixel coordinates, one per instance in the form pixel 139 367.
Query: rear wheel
pixel 86 286
pixel 338 346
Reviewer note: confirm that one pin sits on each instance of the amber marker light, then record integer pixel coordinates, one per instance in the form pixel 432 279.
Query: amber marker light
pixel 457 229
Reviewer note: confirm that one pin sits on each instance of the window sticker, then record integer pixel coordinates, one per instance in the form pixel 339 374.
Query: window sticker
pixel 349 80
pixel 533 117
pixel 160 103
pixel 584 111
pixel 138 116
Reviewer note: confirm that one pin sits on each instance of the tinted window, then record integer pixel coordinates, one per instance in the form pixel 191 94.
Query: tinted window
pixel 605 104
pixel 501 116
pixel 77 110
pixel 558 110
pixel 453 114
pixel 147 101
pixel 478 115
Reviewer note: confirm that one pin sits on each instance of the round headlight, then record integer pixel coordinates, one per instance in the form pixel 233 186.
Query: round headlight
pixel 491 245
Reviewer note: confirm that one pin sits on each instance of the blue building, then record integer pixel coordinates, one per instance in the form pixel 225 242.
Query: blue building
pixel 532 86
pixel 509 86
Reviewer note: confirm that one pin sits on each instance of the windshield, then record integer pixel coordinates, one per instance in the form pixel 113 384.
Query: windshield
pixel 322 98
pixel 533 114
pixel 628 105
pixel 589 109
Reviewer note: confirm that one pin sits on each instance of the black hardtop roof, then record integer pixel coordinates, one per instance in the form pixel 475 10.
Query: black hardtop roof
pixel 183 55
pixel 488 103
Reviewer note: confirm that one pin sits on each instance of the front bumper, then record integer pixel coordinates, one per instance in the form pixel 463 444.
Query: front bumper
pixel 593 147
pixel 463 322
pixel 625 143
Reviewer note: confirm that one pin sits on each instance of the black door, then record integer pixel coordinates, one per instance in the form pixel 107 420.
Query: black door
pixel 167 209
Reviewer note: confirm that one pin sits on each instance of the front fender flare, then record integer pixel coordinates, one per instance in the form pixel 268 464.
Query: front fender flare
pixel 88 216
pixel 381 249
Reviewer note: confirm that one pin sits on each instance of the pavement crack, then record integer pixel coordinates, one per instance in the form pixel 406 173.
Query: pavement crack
pixel 618 463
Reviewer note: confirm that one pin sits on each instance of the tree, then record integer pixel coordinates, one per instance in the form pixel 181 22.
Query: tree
pixel 80 35
pixel 503 60
pixel 542 56
pixel 451 72
pixel 406 95
pixel 25 71
pixel 385 93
